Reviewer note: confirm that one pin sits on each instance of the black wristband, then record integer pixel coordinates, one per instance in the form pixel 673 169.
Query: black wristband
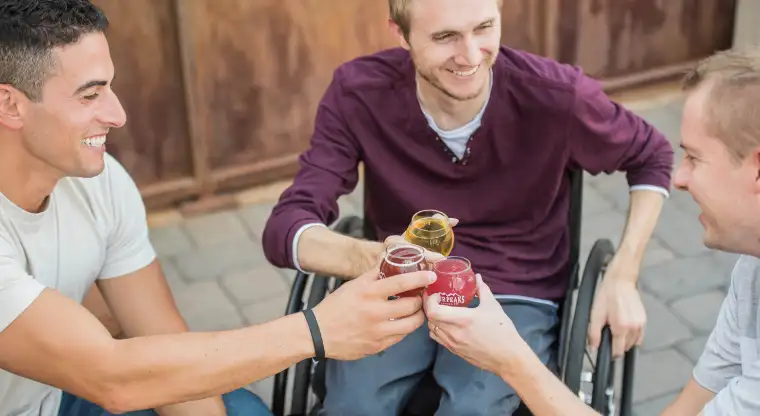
pixel 316 336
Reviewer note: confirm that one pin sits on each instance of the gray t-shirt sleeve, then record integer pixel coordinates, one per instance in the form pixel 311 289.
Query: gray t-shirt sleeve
pixel 729 366
pixel 721 359
pixel 18 290
pixel 740 397
pixel 128 248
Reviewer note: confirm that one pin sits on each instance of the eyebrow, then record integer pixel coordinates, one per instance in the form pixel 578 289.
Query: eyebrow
pixel 450 31
pixel 688 149
pixel 90 84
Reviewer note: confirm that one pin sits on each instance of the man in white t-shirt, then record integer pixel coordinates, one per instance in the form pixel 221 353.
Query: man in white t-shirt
pixel 720 135
pixel 71 216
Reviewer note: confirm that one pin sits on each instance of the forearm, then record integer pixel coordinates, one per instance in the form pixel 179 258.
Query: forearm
pixel 539 388
pixel 163 318
pixel 644 210
pixel 323 251
pixel 155 371
pixel 690 402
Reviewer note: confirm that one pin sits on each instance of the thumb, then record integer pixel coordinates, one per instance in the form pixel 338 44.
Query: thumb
pixel 453 221
pixel 484 292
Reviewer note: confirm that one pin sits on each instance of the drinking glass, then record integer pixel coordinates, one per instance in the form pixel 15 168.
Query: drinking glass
pixel 430 229
pixel 403 258
pixel 455 281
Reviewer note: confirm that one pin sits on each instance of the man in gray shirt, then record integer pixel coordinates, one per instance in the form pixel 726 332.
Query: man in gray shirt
pixel 721 170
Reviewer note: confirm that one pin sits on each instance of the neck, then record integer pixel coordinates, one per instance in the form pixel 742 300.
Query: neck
pixel 25 180
pixel 448 112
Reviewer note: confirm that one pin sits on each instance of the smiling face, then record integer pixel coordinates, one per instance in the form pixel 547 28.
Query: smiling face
pixel 65 132
pixel 726 189
pixel 454 44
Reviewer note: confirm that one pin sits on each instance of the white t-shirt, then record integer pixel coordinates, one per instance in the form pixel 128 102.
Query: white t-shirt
pixel 91 229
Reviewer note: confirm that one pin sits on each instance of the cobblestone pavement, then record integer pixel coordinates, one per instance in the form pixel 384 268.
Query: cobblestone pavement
pixel 221 279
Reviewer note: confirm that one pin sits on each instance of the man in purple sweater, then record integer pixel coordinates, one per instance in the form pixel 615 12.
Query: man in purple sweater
pixel 453 121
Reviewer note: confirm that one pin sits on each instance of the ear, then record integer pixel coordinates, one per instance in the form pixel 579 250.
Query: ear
pixel 398 34
pixel 12 102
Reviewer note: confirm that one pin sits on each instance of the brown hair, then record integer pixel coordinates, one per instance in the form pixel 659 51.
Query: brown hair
pixel 399 11
pixel 732 106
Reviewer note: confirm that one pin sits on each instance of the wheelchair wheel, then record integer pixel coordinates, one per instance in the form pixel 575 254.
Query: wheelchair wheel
pixel 574 374
pixel 308 377
pixel 601 375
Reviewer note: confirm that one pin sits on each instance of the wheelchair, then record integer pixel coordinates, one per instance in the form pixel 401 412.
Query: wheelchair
pixel 595 383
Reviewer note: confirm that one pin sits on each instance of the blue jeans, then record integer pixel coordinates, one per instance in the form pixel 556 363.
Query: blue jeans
pixel 382 384
pixel 240 402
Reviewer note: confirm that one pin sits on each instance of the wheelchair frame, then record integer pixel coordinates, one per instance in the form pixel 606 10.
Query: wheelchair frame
pixel 571 340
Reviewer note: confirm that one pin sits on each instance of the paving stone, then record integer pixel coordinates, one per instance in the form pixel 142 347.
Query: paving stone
pixel 656 254
pixel 666 119
pixel 683 277
pixel 259 283
pixel 684 202
pixel 172 274
pixel 613 188
pixel 213 262
pixel 700 311
pixel 205 307
pixel 609 225
pixel 357 196
pixel 693 348
pixel 170 240
pixel 255 218
pixel 347 208
pixel 265 311
pixel 725 262
pixel 655 406
pixel 212 229
pixel 663 328
pixel 659 373
pixel 680 231
pixel 594 203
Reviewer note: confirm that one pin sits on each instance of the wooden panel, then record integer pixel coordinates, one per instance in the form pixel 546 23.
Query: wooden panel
pixel 153 145
pixel 522 25
pixel 263 65
pixel 610 38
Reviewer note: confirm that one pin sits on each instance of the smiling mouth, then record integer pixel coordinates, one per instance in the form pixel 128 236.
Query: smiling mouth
pixel 95 141
pixel 465 73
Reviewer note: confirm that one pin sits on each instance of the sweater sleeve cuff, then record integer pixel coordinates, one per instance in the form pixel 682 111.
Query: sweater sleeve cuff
pixel 294 247
pixel 653 188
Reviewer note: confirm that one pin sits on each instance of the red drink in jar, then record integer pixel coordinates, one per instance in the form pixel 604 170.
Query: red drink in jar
pixel 400 259
pixel 456 281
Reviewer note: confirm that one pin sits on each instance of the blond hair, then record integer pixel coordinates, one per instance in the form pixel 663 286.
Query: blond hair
pixel 732 106
pixel 399 13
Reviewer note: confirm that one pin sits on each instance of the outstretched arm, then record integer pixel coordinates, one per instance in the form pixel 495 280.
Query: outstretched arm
pixel 606 137
pixel 486 337
pixel 158 370
pixel 144 372
pixel 296 235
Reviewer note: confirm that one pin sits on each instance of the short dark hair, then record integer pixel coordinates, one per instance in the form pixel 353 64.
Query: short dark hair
pixel 30 29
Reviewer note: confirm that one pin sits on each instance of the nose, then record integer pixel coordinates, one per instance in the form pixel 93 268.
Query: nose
pixel 471 51
pixel 680 179
pixel 113 114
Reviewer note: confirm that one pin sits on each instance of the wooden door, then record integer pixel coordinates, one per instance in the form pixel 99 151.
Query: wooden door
pixel 612 39
pixel 221 94
pixel 261 67
pixel 153 145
